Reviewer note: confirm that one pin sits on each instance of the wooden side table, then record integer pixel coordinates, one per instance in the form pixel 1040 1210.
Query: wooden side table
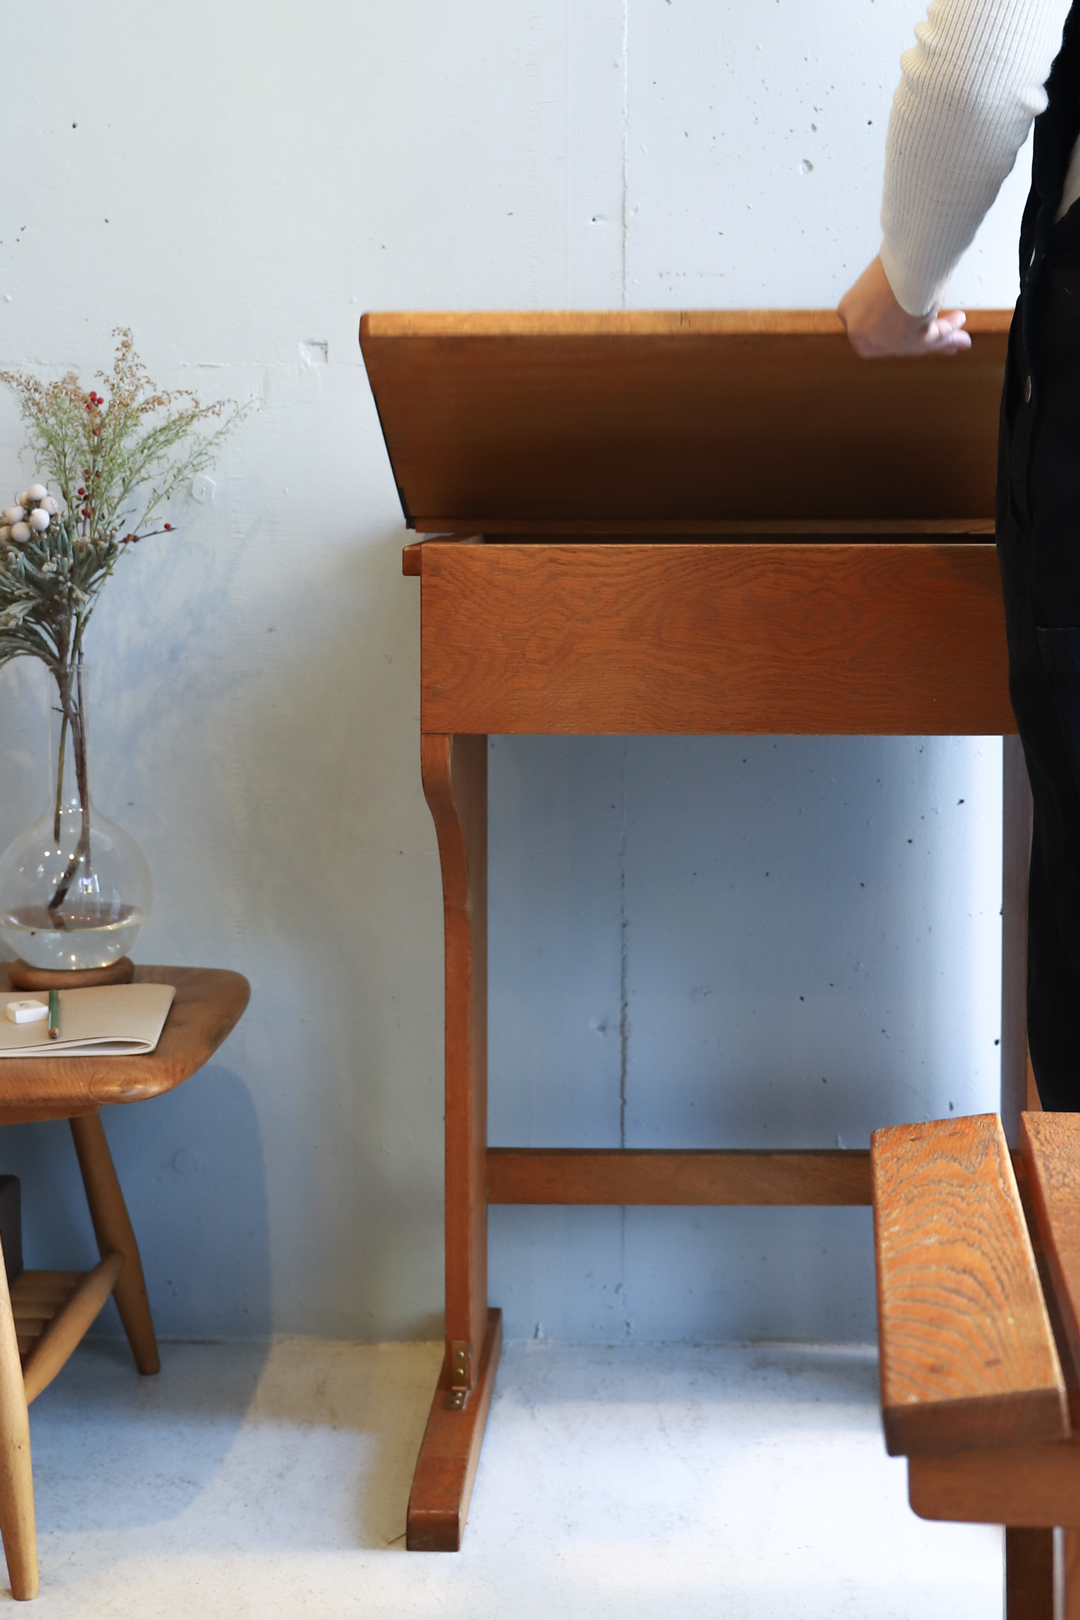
pixel 48 1312
pixel 681 522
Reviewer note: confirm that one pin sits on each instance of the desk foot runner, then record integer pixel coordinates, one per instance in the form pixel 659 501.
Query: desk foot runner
pixel 449 1454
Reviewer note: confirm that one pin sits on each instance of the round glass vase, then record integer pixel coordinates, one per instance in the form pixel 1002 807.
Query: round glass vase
pixel 74 887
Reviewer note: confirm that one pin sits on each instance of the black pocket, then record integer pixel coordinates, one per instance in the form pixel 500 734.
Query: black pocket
pixel 1060 650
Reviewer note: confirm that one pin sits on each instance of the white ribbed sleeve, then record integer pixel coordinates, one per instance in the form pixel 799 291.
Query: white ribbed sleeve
pixel 970 89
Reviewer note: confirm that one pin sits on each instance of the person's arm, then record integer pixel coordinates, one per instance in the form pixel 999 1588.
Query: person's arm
pixel 877 325
pixel 969 91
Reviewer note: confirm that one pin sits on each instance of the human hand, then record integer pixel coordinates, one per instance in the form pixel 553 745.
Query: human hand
pixel 877 325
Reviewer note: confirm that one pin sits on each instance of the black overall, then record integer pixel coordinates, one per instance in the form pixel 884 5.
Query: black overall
pixel 1038 531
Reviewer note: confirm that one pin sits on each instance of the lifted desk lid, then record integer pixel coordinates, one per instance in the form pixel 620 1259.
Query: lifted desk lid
pixel 680 422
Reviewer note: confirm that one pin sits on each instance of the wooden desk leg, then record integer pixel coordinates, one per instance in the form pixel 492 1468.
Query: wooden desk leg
pixel 1029 1574
pixel 113 1230
pixel 1015 862
pixel 454 772
pixel 16 1475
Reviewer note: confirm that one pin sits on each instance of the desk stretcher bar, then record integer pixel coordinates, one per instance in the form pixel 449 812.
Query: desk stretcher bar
pixel 653 1176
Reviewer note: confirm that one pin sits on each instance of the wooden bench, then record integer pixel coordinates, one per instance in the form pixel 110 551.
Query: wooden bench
pixel 978 1266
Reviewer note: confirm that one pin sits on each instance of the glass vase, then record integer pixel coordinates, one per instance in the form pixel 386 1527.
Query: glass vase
pixel 74 887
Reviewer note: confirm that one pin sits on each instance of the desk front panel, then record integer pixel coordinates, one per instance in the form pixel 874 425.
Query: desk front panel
pixel 818 639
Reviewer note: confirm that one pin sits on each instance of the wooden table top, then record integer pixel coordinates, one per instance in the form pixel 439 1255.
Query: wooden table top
pixel 207 1006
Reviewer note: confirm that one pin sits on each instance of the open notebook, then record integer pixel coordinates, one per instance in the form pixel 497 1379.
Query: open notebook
pixel 110 1019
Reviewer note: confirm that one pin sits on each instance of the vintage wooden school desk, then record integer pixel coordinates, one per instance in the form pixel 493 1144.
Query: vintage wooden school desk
pixel 680 523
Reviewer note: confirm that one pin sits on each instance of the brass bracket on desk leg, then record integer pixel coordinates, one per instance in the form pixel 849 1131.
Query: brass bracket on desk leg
pixel 460 1359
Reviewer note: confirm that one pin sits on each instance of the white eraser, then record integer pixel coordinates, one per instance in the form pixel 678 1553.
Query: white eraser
pixel 27 1012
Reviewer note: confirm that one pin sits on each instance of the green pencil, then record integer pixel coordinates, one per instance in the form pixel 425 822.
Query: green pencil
pixel 54 1015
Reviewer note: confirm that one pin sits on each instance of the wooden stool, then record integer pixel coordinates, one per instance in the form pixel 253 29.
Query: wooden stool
pixel 979 1322
pixel 46 1313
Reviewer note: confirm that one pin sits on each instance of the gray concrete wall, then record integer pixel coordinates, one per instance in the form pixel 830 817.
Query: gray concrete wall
pixel 710 941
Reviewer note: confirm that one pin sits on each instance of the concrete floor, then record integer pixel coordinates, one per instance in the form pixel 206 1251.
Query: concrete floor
pixel 648 1482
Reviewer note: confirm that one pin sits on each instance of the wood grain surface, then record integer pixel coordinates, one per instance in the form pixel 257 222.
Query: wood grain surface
pixel 653 1176
pixel 695 638
pixel 450 1452
pixel 545 323
pixel 967 1351
pixel 207 1006
pixel 678 415
pixel 1050 1145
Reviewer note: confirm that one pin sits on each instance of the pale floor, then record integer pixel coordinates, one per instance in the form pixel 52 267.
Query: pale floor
pixel 647 1482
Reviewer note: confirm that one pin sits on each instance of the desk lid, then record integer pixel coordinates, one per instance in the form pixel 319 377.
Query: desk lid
pixel 673 420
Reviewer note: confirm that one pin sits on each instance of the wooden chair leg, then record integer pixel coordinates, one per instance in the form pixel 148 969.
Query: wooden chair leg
pixel 16 1474
pixel 113 1230
pixel 1029 1574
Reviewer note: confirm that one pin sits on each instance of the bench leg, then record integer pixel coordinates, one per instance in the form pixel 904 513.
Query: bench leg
pixel 16 1474
pixel 1029 1574
pixel 1070 1575
pixel 113 1230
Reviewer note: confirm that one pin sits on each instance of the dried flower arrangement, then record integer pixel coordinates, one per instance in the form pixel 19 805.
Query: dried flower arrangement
pixel 113 462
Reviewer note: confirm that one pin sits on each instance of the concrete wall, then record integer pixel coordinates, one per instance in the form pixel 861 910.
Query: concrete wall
pixel 710 941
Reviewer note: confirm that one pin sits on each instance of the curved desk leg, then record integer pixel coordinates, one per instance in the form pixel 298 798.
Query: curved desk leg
pixel 454 771
pixel 113 1230
pixel 1015 861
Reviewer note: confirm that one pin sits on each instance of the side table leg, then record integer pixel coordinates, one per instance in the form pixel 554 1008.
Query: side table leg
pixel 113 1230
pixel 454 770
pixel 16 1474
pixel 1029 1574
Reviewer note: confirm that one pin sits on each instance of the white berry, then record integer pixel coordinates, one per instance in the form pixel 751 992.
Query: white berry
pixel 36 492
pixel 5 531
pixel 14 514
pixel 50 504
pixel 21 531
pixel 39 521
